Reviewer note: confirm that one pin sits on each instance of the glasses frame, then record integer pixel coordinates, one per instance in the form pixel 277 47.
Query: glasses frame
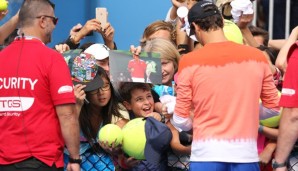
pixel 54 19
pixel 106 87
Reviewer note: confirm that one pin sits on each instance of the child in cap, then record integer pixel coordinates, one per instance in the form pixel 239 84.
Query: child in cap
pixel 97 105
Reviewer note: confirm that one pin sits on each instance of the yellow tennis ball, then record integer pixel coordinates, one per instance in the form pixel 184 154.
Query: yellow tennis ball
pixel 110 133
pixel 3 5
pixel 232 32
pixel 271 122
pixel 134 138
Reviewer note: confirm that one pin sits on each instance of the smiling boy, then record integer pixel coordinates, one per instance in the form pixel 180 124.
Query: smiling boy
pixel 138 99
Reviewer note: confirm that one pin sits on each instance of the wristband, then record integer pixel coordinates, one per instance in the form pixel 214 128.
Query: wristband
pixel 261 129
pixel 72 160
pixel 276 165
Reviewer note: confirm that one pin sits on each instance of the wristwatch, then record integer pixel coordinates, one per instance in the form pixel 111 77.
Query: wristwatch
pixel 276 165
pixel 78 161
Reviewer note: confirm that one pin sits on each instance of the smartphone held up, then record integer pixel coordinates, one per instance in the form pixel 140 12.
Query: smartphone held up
pixel 102 16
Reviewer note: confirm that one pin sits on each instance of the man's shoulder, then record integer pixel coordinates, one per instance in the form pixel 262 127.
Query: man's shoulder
pixel 40 48
pixel 293 51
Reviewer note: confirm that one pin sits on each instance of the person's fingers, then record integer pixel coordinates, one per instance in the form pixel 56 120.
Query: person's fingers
pixel 109 33
pixel 132 48
pixel 139 48
pixel 65 47
pixel 80 86
pixel 107 26
pixel 57 47
pixel 82 95
pixel 79 25
pixel 61 48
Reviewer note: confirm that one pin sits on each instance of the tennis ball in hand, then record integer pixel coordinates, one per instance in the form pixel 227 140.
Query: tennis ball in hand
pixel 134 138
pixel 110 133
pixel 3 5
pixel 271 122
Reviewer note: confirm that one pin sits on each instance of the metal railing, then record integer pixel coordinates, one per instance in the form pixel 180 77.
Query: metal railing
pixel 92 161
pixel 271 17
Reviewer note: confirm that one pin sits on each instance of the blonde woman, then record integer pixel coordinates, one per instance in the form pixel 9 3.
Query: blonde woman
pixel 169 65
pixel 169 58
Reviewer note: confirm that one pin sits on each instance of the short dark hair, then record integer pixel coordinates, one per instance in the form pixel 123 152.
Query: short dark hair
pixel 257 31
pixel 213 22
pixel 125 89
pixel 30 9
pixel 271 52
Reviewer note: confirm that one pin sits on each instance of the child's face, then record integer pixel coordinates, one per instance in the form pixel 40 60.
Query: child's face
pixel 101 96
pixel 168 71
pixel 141 102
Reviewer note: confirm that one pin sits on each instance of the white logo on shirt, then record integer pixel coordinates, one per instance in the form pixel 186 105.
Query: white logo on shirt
pixel 288 92
pixel 17 83
pixel 65 89
pixel 15 104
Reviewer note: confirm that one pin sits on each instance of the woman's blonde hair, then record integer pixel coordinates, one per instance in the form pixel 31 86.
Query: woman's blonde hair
pixel 165 48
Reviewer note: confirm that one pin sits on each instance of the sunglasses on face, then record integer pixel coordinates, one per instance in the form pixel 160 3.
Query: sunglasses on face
pixel 54 19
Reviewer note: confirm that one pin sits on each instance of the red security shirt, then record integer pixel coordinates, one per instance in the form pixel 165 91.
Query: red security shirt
pixel 33 80
pixel 289 94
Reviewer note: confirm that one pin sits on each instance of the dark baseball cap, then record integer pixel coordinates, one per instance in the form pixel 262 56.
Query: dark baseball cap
pixel 197 12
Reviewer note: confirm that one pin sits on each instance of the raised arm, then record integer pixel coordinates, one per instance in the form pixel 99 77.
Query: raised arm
pixel 281 61
pixel 7 28
pixel 243 22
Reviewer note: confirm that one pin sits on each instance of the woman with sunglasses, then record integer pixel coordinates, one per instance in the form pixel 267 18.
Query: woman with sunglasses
pixel 97 108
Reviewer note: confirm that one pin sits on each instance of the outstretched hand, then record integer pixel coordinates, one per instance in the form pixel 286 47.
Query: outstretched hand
pixel 108 33
pixel 73 167
pixel 245 20
pixel 3 14
pixel 80 93
pixel 177 3
pixel 61 48
pixel 112 149
pixel 135 50
pixel 131 162
pixel 75 29
pixel 91 25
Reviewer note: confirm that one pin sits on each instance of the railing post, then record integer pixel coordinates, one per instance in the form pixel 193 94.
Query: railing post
pixel 288 17
pixel 255 6
pixel 270 21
